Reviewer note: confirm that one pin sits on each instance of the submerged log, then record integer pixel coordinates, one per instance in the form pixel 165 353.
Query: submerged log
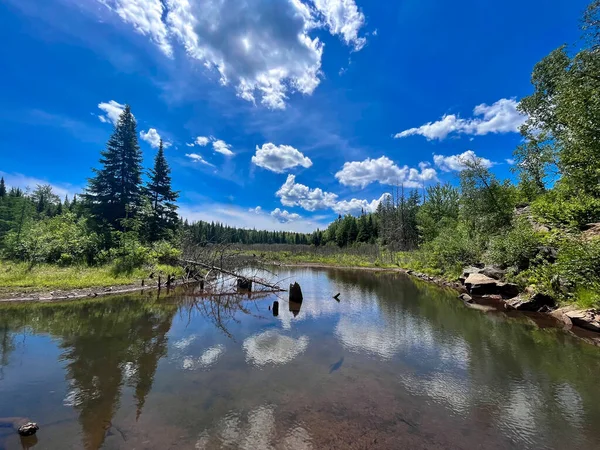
pixel 295 293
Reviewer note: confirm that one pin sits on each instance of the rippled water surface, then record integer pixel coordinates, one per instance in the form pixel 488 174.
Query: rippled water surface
pixel 393 365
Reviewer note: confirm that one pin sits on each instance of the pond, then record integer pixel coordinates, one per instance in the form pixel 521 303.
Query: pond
pixel 394 364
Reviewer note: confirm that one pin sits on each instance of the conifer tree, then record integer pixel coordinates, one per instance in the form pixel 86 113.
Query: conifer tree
pixel 114 193
pixel 2 188
pixel 163 218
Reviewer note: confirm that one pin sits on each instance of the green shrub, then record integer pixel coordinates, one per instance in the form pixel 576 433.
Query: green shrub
pixel 516 247
pixel 62 239
pixel 450 251
pixel 576 272
pixel 558 207
pixel 165 253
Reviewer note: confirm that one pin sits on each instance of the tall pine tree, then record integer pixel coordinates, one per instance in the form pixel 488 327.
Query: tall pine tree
pixel 163 218
pixel 114 193
pixel 2 188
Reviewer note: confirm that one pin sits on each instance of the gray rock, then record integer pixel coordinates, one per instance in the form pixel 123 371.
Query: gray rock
pixel 468 271
pixel 466 298
pixel 29 429
pixel 479 284
pixel 493 272
pixel 588 318
pixel 533 303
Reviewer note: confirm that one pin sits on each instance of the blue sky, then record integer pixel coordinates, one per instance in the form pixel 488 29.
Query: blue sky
pixel 279 114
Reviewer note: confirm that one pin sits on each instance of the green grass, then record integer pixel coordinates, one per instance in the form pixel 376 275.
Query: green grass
pixel 21 277
pixel 404 260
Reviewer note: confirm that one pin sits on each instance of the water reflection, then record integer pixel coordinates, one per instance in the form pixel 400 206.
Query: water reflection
pixel 271 347
pixel 255 430
pixel 295 308
pixel 395 364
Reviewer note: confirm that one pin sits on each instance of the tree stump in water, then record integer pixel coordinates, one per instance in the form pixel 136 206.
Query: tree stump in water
pixel 295 293
pixel 244 284
pixel 275 308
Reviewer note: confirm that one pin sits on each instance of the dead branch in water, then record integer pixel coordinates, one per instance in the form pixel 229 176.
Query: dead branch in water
pixel 255 280
pixel 219 267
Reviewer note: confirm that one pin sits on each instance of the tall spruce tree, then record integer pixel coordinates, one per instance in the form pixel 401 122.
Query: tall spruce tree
pixel 114 193
pixel 163 218
pixel 2 188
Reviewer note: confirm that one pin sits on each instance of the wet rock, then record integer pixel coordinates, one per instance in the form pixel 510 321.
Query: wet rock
pixel 533 303
pixel 587 318
pixel 466 298
pixel 28 429
pixel 295 293
pixel 479 284
pixel 493 272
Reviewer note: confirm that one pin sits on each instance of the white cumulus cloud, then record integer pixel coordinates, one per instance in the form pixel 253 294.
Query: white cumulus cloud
pixel 222 147
pixel 500 117
pixel 202 141
pixel 384 171
pixel 279 158
pixel 265 49
pixel 356 206
pixel 343 17
pixel 296 194
pixel 285 216
pixel 112 111
pixel 153 138
pixel 456 163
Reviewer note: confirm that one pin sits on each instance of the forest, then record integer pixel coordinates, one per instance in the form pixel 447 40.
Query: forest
pixel 544 228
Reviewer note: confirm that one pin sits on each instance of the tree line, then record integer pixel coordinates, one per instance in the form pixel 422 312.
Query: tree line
pixel 120 214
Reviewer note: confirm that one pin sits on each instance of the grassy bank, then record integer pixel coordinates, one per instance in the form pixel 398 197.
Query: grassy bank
pixel 21 277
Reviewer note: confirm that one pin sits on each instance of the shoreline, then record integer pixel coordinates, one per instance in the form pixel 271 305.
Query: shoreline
pixel 47 296
pixel 555 318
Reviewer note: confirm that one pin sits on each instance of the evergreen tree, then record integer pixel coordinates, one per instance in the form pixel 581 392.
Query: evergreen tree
pixel 114 193
pixel 163 218
pixel 2 188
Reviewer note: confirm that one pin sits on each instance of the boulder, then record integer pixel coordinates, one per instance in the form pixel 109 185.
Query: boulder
pixel 467 272
pixel 533 303
pixel 591 230
pixel 587 318
pixel 479 284
pixel 493 272
pixel 507 290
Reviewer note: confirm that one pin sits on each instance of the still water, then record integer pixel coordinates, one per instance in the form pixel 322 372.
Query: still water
pixel 393 365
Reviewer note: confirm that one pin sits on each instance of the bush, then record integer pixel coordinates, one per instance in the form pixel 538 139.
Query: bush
pixel 450 251
pixel 63 239
pixel 576 271
pixel 557 207
pixel 164 253
pixel 516 247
